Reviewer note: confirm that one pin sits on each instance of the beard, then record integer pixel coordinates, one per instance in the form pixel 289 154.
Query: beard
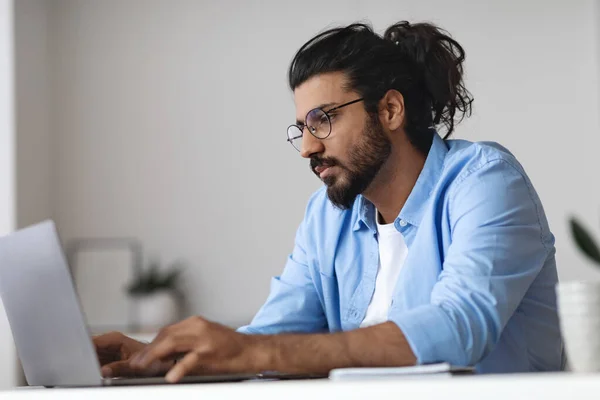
pixel 365 161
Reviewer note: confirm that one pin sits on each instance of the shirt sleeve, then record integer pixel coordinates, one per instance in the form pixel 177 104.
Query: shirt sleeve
pixel 500 242
pixel 293 304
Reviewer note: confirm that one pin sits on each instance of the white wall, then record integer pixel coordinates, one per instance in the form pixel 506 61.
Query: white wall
pixel 8 374
pixel 168 122
pixel 33 156
pixel 32 123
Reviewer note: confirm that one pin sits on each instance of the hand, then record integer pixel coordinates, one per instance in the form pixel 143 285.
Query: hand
pixel 115 352
pixel 202 347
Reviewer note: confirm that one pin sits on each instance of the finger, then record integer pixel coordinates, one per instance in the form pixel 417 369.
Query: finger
pixel 172 341
pixel 107 359
pixel 118 368
pixel 167 331
pixel 111 341
pixel 183 366
pixel 125 369
pixel 167 348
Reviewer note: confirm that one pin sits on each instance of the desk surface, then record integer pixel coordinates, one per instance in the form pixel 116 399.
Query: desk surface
pixel 563 385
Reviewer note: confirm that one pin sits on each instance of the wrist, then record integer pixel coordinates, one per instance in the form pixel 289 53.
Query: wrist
pixel 261 353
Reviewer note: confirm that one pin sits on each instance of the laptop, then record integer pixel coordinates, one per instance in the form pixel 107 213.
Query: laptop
pixel 51 336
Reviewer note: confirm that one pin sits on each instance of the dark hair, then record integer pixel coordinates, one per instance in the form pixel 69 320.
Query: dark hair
pixel 419 60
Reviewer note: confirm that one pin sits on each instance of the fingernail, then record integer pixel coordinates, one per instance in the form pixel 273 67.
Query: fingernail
pixel 171 377
pixel 106 372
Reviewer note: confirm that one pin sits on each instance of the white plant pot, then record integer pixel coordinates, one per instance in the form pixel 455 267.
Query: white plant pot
pixel 157 310
pixel 579 315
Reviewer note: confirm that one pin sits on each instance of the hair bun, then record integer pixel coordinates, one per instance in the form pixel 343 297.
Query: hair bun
pixel 437 60
pixel 397 32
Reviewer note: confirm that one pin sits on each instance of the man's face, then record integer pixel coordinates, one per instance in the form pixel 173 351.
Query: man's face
pixel 347 160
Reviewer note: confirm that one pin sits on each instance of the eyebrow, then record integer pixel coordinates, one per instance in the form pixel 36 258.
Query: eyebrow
pixel 321 106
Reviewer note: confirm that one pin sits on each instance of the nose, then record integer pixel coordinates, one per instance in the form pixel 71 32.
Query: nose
pixel 310 144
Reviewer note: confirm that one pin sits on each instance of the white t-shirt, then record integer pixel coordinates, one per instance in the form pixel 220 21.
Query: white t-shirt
pixel 392 254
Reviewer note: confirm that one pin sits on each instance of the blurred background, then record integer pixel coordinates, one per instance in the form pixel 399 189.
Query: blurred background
pixel 162 123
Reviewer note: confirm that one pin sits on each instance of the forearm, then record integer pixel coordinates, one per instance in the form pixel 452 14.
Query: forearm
pixel 375 346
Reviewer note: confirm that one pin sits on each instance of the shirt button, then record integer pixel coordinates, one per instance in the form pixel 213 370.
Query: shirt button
pixel 403 222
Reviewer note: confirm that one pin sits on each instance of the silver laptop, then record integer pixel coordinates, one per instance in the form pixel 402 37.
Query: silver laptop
pixel 48 326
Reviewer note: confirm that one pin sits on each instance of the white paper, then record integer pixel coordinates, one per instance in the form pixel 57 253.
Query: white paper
pixel 390 372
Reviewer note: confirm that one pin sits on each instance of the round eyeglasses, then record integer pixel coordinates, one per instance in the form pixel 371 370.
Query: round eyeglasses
pixel 318 123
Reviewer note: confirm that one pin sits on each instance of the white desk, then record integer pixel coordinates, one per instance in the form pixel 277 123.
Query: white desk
pixel 563 386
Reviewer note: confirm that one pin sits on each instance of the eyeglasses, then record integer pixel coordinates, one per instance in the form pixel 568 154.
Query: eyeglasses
pixel 318 123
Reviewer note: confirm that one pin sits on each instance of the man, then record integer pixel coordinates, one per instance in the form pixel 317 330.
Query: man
pixel 416 250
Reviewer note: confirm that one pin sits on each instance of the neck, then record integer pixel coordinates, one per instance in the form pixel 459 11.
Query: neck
pixel 394 182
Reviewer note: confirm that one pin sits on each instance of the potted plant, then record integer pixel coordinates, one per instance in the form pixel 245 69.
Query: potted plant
pixel 579 308
pixel 158 295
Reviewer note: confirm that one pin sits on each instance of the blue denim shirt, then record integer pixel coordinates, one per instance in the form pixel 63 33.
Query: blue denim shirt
pixel 477 287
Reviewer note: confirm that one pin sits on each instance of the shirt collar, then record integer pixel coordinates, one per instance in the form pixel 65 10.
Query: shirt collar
pixel 413 209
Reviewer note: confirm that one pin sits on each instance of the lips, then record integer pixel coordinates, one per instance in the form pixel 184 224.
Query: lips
pixel 323 171
pixel 321 168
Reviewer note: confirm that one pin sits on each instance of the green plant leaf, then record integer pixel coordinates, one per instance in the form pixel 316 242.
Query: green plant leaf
pixel 584 240
pixel 171 278
pixel 152 279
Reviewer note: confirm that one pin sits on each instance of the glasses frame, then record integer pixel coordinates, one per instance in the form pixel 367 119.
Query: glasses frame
pixel 301 129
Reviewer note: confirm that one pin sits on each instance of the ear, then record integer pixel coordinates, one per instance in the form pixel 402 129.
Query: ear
pixel 391 110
